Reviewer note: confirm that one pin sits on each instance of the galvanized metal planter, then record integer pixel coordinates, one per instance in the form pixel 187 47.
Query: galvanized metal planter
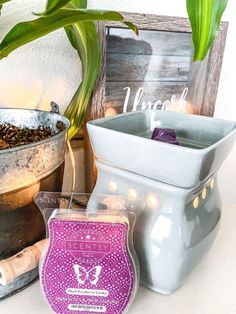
pixel 25 170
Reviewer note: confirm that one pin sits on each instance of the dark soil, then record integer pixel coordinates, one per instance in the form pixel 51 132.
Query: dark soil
pixel 13 136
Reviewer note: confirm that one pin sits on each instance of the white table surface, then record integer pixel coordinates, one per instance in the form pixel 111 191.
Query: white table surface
pixel 211 289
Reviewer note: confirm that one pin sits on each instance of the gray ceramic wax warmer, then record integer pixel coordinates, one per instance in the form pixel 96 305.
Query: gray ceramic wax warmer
pixel 182 208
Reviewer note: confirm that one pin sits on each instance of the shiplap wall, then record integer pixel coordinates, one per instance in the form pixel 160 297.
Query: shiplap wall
pixel 159 62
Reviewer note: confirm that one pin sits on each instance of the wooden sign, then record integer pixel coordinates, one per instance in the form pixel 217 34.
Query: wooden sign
pixel 145 72
pixel 153 71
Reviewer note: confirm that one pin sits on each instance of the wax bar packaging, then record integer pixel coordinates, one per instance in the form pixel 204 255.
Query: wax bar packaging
pixel 89 265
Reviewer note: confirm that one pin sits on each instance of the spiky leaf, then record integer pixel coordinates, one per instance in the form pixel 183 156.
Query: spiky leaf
pixel 52 6
pixel 26 32
pixel 205 17
pixel 84 38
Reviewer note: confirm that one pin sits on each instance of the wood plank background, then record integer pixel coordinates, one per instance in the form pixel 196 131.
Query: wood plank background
pixel 157 61
pixel 153 91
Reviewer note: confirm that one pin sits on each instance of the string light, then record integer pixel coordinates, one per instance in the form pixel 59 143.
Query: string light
pixel 152 201
pixel 196 202
pixel 204 193
pixel 112 185
pixel 132 194
pixel 212 183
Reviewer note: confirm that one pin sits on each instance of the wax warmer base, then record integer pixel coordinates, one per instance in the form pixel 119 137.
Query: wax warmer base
pixel 194 257
pixel 175 229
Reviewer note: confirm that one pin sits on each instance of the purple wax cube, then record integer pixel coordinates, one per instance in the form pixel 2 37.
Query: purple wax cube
pixel 165 135
pixel 164 132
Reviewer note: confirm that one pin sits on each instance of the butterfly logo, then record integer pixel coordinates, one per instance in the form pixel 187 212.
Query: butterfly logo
pixel 92 275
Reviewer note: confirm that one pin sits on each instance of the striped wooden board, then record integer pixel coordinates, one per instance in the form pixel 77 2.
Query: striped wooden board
pixel 157 61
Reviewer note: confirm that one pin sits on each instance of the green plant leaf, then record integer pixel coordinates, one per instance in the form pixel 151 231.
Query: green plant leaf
pixel 52 6
pixel 205 17
pixel 1 4
pixel 26 32
pixel 3 1
pixel 80 4
pixel 84 39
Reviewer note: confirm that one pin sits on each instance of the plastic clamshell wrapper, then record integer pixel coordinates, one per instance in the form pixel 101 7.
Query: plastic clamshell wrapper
pixel 89 256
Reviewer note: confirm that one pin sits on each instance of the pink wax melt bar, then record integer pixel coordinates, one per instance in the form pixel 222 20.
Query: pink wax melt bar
pixel 88 266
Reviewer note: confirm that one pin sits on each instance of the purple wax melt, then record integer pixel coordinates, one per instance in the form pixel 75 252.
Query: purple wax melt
pixel 165 135
pixel 163 132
